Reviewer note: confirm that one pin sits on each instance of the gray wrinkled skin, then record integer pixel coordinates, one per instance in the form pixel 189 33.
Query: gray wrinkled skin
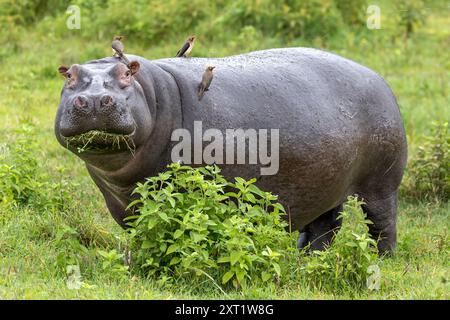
pixel 340 129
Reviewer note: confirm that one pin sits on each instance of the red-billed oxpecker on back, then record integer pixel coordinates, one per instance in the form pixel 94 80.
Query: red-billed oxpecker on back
pixel 186 49
pixel 206 81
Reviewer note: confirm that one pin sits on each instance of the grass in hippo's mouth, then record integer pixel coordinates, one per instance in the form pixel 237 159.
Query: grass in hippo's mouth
pixel 99 140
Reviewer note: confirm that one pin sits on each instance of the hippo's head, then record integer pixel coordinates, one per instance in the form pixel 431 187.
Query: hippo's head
pixel 102 110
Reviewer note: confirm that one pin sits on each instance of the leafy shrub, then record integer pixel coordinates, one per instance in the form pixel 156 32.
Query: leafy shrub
pixel 194 222
pixel 71 250
pixel 18 168
pixel 428 172
pixel 28 11
pixel 26 186
pixel 158 20
pixel 353 11
pixel 412 14
pixel 344 266
pixel 290 19
pixel 113 262
pixel 148 21
pixel 22 180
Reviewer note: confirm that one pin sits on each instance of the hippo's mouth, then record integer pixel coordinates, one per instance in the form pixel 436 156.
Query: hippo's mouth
pixel 101 141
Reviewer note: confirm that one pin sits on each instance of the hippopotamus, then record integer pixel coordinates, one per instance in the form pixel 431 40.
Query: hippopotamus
pixel 339 130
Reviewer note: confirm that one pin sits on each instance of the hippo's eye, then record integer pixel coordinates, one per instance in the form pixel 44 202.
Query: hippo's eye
pixel 128 73
pixel 69 76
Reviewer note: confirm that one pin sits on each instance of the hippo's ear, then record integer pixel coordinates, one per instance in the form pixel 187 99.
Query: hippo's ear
pixel 63 70
pixel 134 67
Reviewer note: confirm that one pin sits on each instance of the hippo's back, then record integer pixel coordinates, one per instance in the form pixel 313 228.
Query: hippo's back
pixel 297 85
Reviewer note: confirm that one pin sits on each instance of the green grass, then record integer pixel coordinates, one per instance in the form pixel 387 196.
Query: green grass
pixel 36 244
pixel 419 270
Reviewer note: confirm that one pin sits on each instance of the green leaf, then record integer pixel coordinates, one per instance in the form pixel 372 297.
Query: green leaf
pixel 234 257
pixel 223 260
pixel 227 276
pixel 128 218
pixel 186 218
pixel 172 248
pixel 146 244
pixel 265 276
pixel 250 230
pixel 240 275
pixel 196 236
pixel 172 201
pixel 133 203
pixel 232 194
pixel 250 197
pixel 151 207
pixel 174 260
pixel 240 180
pixel 277 268
pixel 279 206
pixel 363 245
pixel 178 233
pixel 254 189
pixel 163 216
pixel 151 223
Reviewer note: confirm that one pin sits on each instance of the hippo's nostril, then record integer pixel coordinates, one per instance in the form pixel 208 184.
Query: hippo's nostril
pixel 80 102
pixel 107 101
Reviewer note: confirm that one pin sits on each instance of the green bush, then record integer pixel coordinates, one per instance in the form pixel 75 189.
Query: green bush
pixel 411 15
pixel 29 11
pixel 353 11
pixel 428 172
pixel 344 266
pixel 113 262
pixel 18 168
pixel 154 21
pixel 22 180
pixel 289 19
pixel 194 222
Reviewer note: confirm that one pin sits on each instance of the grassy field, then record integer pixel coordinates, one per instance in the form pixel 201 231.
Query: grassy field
pixel 37 242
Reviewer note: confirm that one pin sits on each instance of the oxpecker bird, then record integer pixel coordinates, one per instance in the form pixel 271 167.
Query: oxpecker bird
pixel 117 45
pixel 118 48
pixel 206 82
pixel 187 47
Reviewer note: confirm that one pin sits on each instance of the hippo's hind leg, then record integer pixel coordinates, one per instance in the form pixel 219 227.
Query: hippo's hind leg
pixel 383 214
pixel 319 234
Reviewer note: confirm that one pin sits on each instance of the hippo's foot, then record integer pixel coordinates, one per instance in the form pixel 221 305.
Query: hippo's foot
pixel 302 241
pixel 383 214
pixel 319 234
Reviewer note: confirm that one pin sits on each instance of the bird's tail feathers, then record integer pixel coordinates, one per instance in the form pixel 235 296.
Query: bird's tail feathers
pixel 201 91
